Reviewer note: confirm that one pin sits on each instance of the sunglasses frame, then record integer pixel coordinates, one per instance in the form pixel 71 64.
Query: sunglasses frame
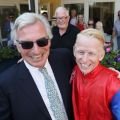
pixel 90 23
pixel 42 42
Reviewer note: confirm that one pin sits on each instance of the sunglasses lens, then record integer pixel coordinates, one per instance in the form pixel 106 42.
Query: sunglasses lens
pixel 42 42
pixel 27 45
pixel 90 24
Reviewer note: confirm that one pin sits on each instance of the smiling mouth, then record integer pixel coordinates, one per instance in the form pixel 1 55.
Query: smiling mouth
pixel 84 66
pixel 37 57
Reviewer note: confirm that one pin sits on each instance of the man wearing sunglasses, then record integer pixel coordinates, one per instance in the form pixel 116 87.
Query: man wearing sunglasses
pixel 23 94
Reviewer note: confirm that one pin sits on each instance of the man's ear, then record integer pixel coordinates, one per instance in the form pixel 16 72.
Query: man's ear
pixel 49 43
pixel 18 48
pixel 101 54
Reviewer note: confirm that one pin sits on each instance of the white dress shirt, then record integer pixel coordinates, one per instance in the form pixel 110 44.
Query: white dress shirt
pixel 39 81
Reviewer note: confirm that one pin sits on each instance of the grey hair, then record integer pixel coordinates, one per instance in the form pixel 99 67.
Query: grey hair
pixel 61 9
pixel 91 32
pixel 28 19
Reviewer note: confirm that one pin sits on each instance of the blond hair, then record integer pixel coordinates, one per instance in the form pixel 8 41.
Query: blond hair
pixel 93 33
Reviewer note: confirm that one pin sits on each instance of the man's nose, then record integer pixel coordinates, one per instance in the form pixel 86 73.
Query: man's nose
pixel 35 47
pixel 85 58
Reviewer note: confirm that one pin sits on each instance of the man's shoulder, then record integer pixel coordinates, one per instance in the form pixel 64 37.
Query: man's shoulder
pixel 12 72
pixel 60 51
pixel 73 28
pixel 109 72
pixel 61 54
pixel 61 57
pixel 10 78
pixel 55 28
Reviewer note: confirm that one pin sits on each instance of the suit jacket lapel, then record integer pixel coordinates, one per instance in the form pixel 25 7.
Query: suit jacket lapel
pixel 29 88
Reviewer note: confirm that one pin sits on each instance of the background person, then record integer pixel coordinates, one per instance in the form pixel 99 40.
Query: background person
pixel 116 30
pixel 45 14
pixel 23 92
pixel 91 23
pixel 7 27
pixel 81 24
pixel 73 16
pixel 64 34
pixel 95 88
pixel 99 26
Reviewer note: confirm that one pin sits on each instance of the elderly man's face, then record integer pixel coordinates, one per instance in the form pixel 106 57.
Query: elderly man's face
pixel 62 20
pixel 34 55
pixel 87 53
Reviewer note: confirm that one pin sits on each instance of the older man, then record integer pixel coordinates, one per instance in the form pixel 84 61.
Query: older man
pixel 37 88
pixel 96 89
pixel 64 34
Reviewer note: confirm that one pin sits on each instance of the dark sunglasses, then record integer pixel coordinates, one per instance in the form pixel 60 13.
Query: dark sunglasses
pixel 42 42
pixel 90 23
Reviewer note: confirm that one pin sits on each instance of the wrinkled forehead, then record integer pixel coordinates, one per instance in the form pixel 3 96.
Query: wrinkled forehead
pixel 86 49
pixel 32 29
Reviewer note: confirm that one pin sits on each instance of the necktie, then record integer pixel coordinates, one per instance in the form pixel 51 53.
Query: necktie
pixel 56 105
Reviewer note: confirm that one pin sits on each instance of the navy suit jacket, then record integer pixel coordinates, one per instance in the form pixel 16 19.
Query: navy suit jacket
pixel 19 96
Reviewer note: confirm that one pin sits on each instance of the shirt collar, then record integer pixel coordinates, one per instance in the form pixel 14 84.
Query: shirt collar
pixel 35 68
pixel 93 73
